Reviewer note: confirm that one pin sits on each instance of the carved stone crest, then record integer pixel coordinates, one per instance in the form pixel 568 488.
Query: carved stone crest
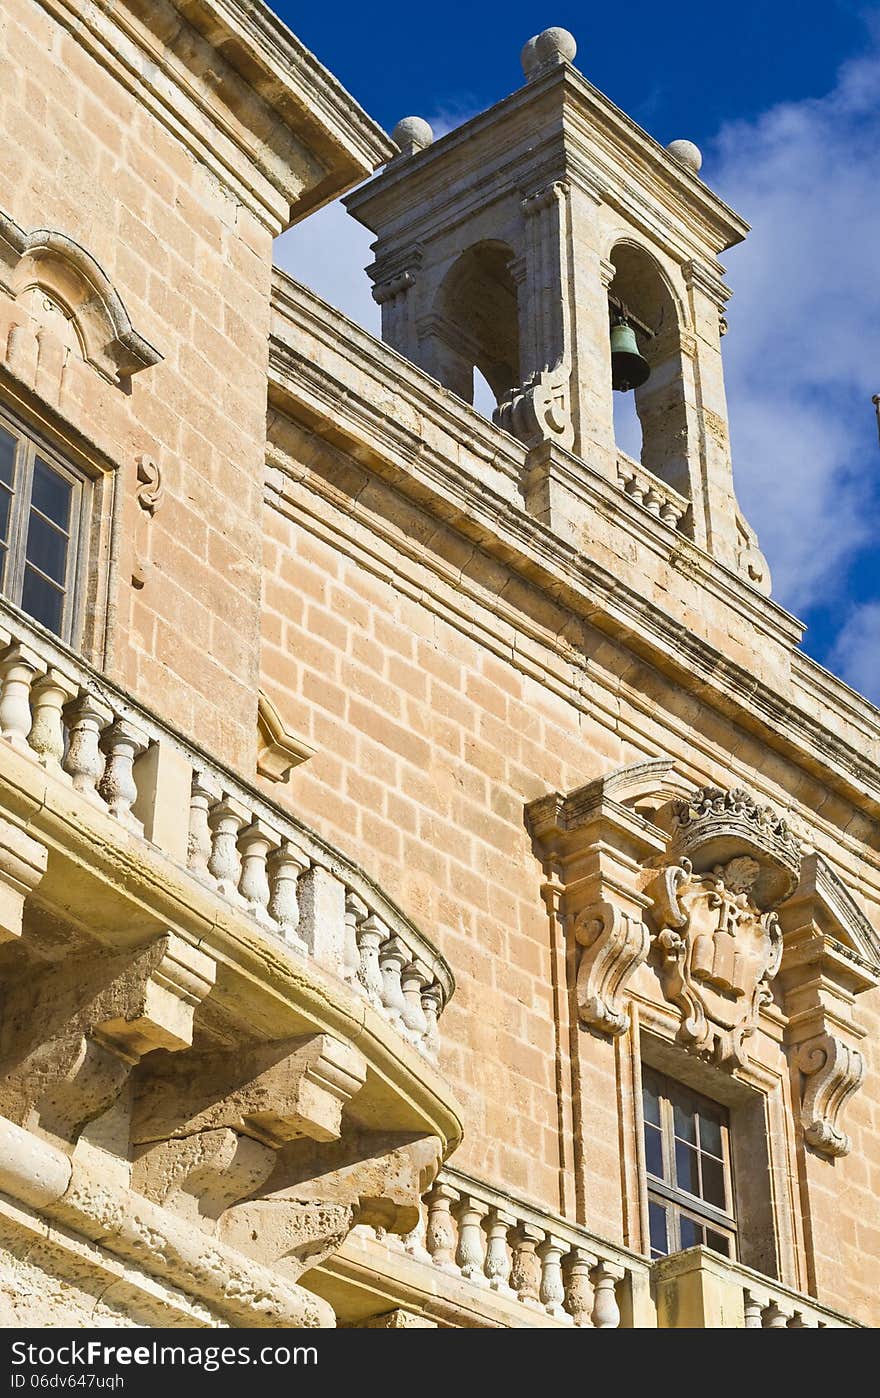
pixel 717 942
pixel 717 953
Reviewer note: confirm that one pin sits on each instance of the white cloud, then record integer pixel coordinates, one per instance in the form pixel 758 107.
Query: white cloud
pixel 856 653
pixel 803 356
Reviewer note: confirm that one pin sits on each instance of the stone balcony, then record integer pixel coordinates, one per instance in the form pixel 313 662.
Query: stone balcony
pixel 206 993
pixel 480 1258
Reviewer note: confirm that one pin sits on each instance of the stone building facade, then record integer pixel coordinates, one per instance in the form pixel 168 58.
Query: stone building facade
pixel 435 888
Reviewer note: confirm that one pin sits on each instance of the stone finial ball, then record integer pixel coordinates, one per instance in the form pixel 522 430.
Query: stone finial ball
pixel 687 154
pixel 412 134
pixel 528 58
pixel 555 46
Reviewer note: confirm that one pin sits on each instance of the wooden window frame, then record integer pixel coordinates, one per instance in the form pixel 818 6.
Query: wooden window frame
pixel 678 1202
pixel 31 446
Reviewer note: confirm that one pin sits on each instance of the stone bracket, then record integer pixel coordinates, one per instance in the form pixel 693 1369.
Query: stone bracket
pixel 72 1035
pixel 274 1093
pixel 613 944
pixel 832 1072
pixel 22 864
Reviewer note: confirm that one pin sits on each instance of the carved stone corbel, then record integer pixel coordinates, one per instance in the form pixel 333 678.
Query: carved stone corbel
pixel 22 865
pixel 614 943
pixel 71 1035
pixel 717 940
pixel 832 1071
pixel 596 842
pixel 207 1128
pixel 831 954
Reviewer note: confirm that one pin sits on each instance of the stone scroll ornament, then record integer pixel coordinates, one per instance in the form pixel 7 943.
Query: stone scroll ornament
pixel 539 410
pixel 717 941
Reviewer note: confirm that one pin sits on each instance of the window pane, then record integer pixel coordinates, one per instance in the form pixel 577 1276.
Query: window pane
pixel 686 1169
pixel 51 493
pixel 5 504
pixel 8 443
pixel 713 1182
pixel 653 1151
pixel 42 600
pixel 657 1226
pixel 719 1241
pixel 651 1100
pixel 710 1133
pixel 47 548
pixel 691 1231
pixel 685 1122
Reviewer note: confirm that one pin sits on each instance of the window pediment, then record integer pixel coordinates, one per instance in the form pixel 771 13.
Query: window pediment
pixel 61 284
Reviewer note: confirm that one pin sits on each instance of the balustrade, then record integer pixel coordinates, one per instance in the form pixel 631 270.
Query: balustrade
pixel 470 1232
pixel 648 490
pixel 88 734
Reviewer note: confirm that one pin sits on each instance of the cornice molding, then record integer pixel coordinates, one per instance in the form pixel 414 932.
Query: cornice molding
pixel 624 155
pixel 331 142
pixel 498 521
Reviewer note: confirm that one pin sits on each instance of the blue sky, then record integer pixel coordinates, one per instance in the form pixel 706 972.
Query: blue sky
pixel 784 100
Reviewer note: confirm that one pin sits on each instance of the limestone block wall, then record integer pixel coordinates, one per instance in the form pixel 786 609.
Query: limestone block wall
pixel 108 160
pixel 442 694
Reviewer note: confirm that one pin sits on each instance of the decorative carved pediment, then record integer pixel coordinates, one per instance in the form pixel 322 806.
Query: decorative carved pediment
pixel 52 277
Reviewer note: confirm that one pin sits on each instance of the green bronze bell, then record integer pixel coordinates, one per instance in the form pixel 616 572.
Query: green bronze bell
pixel 629 369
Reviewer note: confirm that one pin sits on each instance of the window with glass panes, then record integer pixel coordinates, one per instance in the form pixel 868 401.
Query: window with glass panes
pixel 687 1159
pixel 41 511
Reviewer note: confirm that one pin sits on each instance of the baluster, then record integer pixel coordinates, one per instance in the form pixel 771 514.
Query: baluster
pixel 286 864
pixel 121 743
pixel 669 513
pixel 552 1291
pixel 470 1254
pixel 254 843
pixel 752 1311
pixel 225 819
pixel 525 1271
pixel 355 912
pixel 578 1291
pixel 440 1235
pixel 606 1312
pixel 415 1240
pixel 393 956
pixel 18 667
pixel 413 979
pixel 86 718
pixel 497 1264
pixel 773 1318
pixel 653 501
pixel 198 845
pixel 48 696
pixel 800 1321
pixel 432 1004
pixel 371 934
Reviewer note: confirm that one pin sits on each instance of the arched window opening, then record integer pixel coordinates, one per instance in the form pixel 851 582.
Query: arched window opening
pixel 639 296
pixel 475 326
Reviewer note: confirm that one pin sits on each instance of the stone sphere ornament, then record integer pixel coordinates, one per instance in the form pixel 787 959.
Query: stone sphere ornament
pixel 548 48
pixel 687 154
pixel 412 134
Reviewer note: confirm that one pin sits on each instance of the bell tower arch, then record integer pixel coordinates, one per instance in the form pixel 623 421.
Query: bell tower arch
pixel 516 243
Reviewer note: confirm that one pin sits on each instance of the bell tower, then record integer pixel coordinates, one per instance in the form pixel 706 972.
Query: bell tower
pixel 540 242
